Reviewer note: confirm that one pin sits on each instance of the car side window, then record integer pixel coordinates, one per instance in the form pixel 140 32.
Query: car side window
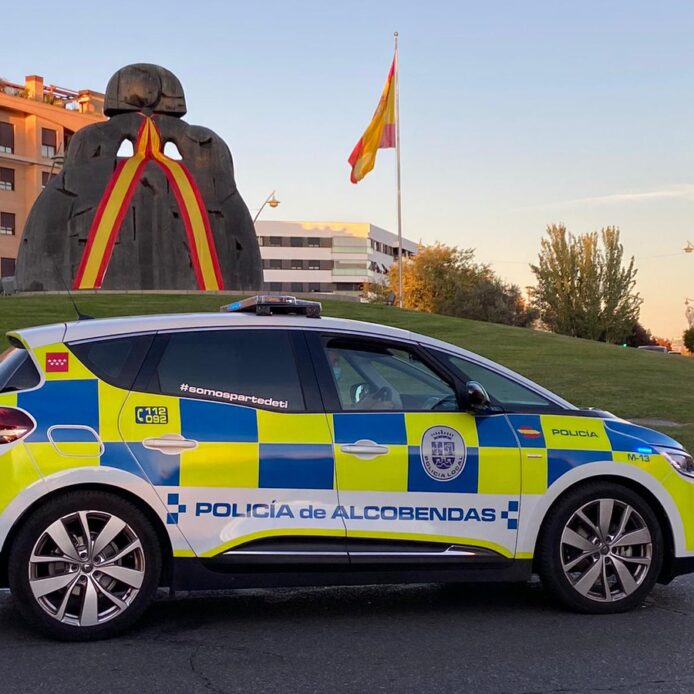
pixel 17 371
pixel 115 360
pixel 254 368
pixel 501 389
pixel 372 375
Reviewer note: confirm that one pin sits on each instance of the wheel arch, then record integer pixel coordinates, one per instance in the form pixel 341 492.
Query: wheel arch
pixel 666 573
pixel 134 499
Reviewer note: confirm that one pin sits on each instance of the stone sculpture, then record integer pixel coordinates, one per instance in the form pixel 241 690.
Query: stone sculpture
pixel 147 221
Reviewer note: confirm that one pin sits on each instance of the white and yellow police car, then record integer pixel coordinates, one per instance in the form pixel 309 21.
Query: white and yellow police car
pixel 254 448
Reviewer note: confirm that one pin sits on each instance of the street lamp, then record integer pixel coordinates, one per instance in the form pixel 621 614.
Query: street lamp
pixel 270 200
pixel 689 311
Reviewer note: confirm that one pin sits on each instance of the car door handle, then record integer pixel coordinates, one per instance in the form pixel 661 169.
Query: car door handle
pixel 170 444
pixel 365 449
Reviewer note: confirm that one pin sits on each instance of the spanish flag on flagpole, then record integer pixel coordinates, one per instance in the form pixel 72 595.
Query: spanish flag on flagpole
pixel 381 132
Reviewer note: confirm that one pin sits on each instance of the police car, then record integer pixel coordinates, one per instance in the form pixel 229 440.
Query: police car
pixel 267 446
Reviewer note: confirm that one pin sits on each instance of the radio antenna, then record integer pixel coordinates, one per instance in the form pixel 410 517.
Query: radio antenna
pixel 80 315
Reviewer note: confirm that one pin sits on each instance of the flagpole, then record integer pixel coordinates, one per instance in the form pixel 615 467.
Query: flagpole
pixel 397 160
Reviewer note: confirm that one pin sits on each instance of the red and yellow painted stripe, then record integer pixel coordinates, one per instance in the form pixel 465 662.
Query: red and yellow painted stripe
pixel 380 134
pixel 116 200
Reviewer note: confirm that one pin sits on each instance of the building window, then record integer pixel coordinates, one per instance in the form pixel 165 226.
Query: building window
pixel 7 224
pixel 6 179
pixel 275 241
pixel 7 267
pixel 45 177
pixel 275 264
pixel 261 240
pixel 313 286
pixel 314 264
pixel 275 286
pixel 313 242
pixel 296 287
pixel 296 264
pixel 49 138
pixel 350 267
pixel 296 242
pixel 67 137
pixel 6 138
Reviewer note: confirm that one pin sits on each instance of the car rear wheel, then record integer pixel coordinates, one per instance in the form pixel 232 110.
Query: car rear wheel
pixel 601 549
pixel 84 566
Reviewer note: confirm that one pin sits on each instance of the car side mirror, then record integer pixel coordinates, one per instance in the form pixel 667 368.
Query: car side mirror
pixel 476 397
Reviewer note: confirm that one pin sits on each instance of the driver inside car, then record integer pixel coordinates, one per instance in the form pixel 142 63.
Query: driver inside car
pixel 354 392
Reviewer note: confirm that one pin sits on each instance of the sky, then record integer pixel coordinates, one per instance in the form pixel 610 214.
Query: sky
pixel 514 115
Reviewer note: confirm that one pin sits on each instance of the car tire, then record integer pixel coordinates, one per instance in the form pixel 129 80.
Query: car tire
pixel 601 549
pixel 73 589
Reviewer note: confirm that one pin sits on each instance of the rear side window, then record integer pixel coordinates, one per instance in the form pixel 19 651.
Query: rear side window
pixel 255 368
pixel 114 360
pixel 17 371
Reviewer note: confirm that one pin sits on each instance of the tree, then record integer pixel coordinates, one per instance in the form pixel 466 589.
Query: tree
pixel 664 342
pixel 377 293
pixel 430 277
pixel 445 279
pixel 639 336
pixel 688 337
pixel 584 286
pixel 488 298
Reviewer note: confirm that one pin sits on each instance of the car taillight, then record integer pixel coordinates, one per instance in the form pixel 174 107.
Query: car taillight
pixel 14 425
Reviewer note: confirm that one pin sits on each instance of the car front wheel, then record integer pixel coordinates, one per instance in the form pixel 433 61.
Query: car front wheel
pixel 601 549
pixel 84 566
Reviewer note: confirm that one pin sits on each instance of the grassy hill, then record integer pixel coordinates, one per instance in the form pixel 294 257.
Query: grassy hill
pixel 628 382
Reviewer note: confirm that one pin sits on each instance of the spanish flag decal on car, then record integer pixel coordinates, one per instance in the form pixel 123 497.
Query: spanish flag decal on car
pixel 529 432
pixel 116 199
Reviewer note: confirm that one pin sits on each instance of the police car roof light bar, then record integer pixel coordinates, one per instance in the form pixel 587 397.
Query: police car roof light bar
pixel 269 304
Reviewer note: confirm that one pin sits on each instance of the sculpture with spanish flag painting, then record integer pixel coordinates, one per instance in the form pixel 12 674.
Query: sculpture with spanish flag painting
pixel 145 221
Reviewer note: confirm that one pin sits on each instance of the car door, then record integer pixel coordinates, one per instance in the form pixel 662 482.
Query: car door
pixel 545 431
pixel 228 425
pixel 418 478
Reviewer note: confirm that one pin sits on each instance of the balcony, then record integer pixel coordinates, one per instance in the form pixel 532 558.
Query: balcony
pixel 83 101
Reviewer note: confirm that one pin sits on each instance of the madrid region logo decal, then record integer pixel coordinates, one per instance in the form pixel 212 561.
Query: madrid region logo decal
pixel 443 453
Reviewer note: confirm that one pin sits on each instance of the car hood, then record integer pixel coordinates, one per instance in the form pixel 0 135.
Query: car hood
pixel 634 432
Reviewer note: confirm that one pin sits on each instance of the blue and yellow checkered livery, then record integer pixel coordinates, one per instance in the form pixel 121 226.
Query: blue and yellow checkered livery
pixel 84 421
pixel 491 465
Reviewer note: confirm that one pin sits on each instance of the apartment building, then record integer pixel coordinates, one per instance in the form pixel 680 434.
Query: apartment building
pixel 326 256
pixel 36 124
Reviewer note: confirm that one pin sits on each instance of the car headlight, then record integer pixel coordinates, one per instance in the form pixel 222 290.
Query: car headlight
pixel 679 459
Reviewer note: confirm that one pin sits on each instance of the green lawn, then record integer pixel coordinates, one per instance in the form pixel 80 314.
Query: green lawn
pixel 628 382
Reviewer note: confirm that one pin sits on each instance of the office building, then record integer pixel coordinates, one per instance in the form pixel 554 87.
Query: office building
pixel 326 256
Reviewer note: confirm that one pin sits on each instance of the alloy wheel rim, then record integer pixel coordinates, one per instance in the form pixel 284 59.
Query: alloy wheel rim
pixel 86 568
pixel 606 550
